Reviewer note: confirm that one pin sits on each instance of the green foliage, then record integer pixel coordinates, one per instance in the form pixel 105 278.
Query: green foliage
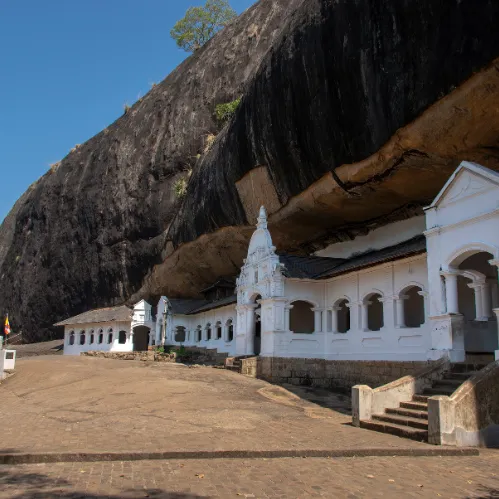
pixel 160 350
pixel 180 187
pixel 126 108
pixel 201 23
pixel 224 112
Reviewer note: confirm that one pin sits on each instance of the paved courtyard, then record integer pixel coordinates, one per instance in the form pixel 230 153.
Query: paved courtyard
pixel 55 404
pixel 76 404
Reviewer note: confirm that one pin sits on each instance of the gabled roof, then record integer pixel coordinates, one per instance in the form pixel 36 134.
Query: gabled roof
pixel 413 246
pixel 220 283
pixel 307 267
pixel 475 168
pixel 184 306
pixel 110 314
pixel 214 304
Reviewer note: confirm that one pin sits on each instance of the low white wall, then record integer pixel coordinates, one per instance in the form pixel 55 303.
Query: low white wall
pixel 191 322
pixel 114 346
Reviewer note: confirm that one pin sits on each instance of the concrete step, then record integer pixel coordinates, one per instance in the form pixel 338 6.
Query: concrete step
pixel 418 423
pixel 420 398
pixel 462 376
pixel 439 390
pixel 450 382
pixel 408 412
pixel 395 429
pixel 418 406
pixel 463 367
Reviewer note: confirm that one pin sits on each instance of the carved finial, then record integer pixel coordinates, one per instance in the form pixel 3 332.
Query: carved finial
pixel 262 218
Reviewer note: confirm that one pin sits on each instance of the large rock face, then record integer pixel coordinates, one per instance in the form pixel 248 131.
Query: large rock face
pixel 354 113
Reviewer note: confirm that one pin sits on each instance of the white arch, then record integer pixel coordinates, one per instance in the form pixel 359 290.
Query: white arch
pixel 374 291
pixel 340 299
pixel 307 300
pixel 458 256
pixel 410 284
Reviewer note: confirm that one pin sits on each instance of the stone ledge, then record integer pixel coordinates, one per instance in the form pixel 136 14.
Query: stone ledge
pixel 143 356
pixel 80 457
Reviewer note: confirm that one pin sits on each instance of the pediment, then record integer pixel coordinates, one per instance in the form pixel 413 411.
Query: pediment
pixel 468 180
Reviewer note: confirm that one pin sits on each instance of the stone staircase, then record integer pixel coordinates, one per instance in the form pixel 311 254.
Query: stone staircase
pixel 410 419
pixel 235 363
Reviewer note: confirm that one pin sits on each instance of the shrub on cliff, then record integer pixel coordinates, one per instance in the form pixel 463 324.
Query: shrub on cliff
pixel 201 23
pixel 224 112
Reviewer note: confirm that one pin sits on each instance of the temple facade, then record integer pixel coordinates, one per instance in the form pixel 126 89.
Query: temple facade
pixel 416 290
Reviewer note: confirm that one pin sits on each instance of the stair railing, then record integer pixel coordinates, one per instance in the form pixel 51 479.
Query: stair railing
pixel 367 401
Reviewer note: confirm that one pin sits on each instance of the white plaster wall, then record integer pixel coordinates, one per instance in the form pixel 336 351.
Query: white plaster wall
pixel 115 346
pixel 390 343
pixel 190 322
pixel 380 238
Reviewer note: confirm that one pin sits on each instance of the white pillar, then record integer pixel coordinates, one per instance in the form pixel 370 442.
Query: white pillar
pixel 317 320
pixel 496 311
pixel 477 288
pixel 365 315
pixel 451 292
pixel 287 310
pixel 486 304
pixel 400 311
pixel 334 319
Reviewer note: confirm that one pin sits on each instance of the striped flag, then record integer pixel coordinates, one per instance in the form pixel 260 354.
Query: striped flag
pixel 7 326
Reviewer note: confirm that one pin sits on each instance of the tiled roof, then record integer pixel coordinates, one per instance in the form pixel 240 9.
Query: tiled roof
pixel 413 246
pixel 184 306
pixel 110 314
pixel 307 267
pixel 215 304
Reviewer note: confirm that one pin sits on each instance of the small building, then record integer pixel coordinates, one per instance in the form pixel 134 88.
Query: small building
pixel 112 329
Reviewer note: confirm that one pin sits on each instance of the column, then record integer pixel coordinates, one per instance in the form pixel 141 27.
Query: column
pixel 451 291
pixel 334 319
pixel 424 294
pixel 365 315
pixel 399 301
pixel 317 320
pixel 486 304
pixel 477 288
pixel 496 312
pixel 286 317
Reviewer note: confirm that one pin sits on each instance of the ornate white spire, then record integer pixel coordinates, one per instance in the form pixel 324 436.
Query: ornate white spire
pixel 262 218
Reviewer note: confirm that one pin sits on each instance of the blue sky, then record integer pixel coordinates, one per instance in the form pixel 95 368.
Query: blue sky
pixel 67 67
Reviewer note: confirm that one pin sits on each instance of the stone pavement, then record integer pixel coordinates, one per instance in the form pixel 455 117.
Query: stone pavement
pixel 371 477
pixel 82 404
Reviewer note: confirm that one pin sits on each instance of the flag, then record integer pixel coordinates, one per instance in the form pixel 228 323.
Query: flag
pixel 7 326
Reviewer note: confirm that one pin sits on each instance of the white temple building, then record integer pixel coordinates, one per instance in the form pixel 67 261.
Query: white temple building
pixel 415 290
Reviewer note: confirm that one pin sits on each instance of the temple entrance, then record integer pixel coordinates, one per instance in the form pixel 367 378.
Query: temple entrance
pixel 258 334
pixel 478 295
pixel 257 317
pixel 141 338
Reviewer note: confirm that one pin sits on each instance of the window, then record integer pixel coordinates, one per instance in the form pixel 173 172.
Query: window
pixel 180 334
pixel 101 337
pixel 230 330
pixel 374 312
pixel 208 332
pixel 301 317
pixel 82 338
pixel 72 338
pixel 109 336
pixel 198 334
pixel 219 330
pixel 91 337
pixel 343 316
pixel 122 337
pixel 413 309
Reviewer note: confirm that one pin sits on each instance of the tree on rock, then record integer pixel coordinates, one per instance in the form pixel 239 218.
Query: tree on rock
pixel 201 23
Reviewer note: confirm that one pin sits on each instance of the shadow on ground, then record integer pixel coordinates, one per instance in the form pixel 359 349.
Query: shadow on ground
pixel 486 493
pixel 19 485
pixel 328 399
